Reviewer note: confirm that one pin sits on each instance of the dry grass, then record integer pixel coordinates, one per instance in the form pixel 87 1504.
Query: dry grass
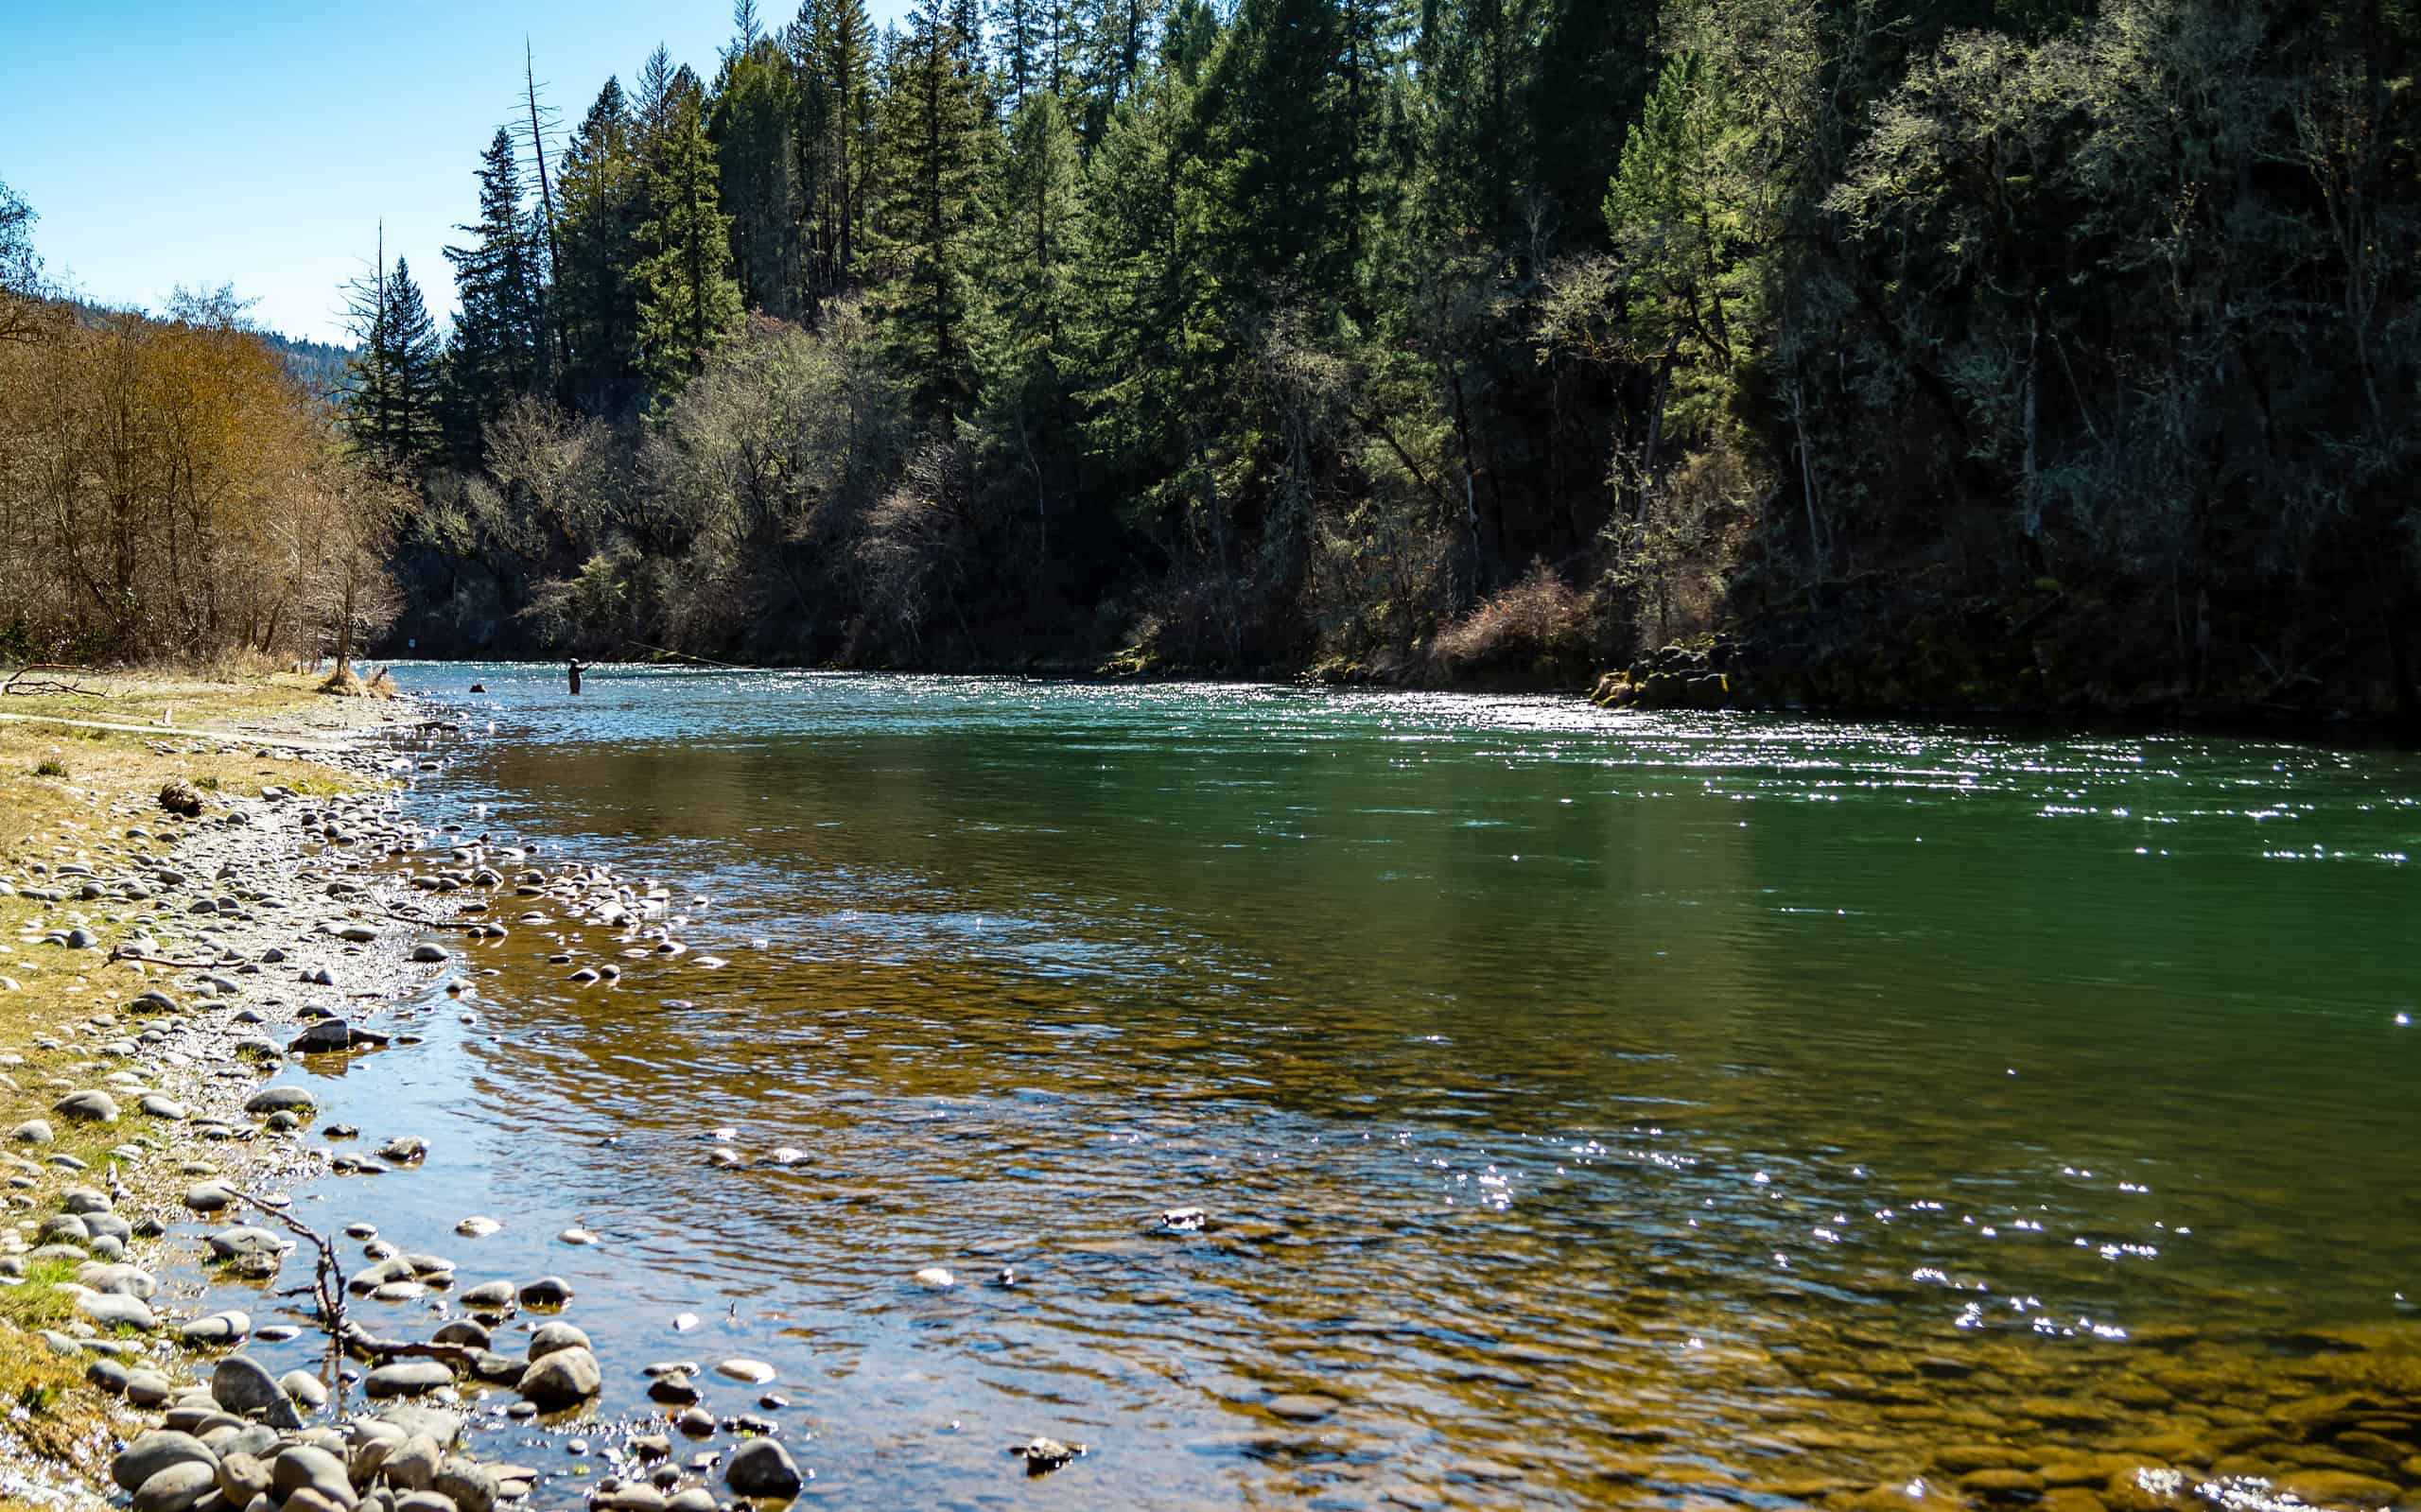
pixel 46 1405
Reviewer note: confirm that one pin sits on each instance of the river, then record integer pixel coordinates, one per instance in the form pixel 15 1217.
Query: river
pixel 1584 1109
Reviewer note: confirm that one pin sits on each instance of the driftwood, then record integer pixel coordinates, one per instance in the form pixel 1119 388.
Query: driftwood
pixel 122 954
pixel 327 1274
pixel 18 684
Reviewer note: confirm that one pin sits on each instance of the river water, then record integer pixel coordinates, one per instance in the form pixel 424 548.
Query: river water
pixel 1586 1109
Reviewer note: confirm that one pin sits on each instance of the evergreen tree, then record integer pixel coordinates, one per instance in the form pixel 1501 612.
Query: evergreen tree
pixel 603 205
pixel 933 131
pixel 1474 56
pixel 1022 37
pixel 391 405
pixel 1033 231
pixel 501 328
pixel 688 302
pixel 756 109
pixel 1278 137
pixel 832 52
pixel 1148 329
pixel 1116 40
pixel 1595 63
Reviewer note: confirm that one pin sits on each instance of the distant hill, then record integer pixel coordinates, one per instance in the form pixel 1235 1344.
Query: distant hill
pixel 318 365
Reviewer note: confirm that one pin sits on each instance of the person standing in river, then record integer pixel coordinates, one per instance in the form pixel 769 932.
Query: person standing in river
pixel 575 670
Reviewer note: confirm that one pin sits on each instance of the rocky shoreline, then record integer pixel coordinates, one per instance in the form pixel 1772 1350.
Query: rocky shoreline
pixel 266 933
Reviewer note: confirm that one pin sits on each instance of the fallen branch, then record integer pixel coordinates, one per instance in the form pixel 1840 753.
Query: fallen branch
pixel 122 954
pixel 327 1273
pixel 46 686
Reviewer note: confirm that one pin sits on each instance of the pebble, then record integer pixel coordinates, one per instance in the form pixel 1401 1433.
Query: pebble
pixel 177 1487
pixel 407 1377
pixel 748 1372
pixel 154 1452
pixel 87 1107
pixel 218 1328
pixel 244 1386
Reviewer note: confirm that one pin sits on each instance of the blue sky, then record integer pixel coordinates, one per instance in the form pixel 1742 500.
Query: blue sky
pixel 261 144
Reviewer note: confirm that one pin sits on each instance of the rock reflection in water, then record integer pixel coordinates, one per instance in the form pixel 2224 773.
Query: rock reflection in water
pixel 1584 1113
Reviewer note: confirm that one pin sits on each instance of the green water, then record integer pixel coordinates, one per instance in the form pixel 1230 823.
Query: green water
pixel 1593 1108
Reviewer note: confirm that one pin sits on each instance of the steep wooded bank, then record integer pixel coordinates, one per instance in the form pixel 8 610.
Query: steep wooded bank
pixel 1929 353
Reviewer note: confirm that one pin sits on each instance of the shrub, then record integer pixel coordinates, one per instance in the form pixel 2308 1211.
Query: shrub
pixel 1537 618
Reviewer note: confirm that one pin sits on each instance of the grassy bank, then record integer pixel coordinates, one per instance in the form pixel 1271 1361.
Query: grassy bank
pixel 69 794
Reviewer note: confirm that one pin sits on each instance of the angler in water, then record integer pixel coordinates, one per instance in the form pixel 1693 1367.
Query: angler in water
pixel 575 670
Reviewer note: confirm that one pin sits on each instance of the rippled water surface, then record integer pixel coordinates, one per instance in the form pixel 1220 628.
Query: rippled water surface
pixel 1590 1109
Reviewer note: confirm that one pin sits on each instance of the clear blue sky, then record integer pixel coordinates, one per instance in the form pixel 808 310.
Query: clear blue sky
pixel 261 144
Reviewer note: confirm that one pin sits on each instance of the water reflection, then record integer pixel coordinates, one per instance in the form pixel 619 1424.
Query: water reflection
pixel 1587 1109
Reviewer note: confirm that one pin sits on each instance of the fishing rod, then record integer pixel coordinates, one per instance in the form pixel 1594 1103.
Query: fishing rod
pixel 666 650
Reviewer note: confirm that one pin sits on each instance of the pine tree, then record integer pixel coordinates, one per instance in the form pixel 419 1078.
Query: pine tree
pixel 602 208
pixel 1282 145
pixel 832 51
pixel 1022 37
pixel 931 128
pixel 756 109
pixel 1032 234
pixel 391 404
pixel 1116 42
pixel 500 329
pixel 1595 63
pixel 1148 326
pixel 1473 57
pixel 688 302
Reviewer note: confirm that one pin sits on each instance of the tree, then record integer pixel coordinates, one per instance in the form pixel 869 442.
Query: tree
pixel 688 302
pixel 1596 60
pixel 1033 231
pixel 354 515
pixel 392 403
pixel 604 203
pixel 21 287
pixel 832 52
pixel 1021 29
pixel 1277 135
pixel 500 327
pixel 1148 328
pixel 756 110
pixel 931 127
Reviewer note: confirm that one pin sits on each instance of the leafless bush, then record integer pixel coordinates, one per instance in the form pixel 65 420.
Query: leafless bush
pixel 1537 617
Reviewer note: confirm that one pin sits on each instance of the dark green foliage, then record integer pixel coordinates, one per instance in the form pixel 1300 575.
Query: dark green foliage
pixel 392 403
pixel 932 128
pixel 2073 344
pixel 756 109
pixel 501 332
pixel 604 203
pixel 688 302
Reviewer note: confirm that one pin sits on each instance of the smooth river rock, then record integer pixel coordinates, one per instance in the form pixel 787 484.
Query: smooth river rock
pixel 763 1467
pixel 564 1379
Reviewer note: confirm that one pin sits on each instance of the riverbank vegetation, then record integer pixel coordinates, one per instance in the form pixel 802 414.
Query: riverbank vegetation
pixel 169 489
pixel 1902 353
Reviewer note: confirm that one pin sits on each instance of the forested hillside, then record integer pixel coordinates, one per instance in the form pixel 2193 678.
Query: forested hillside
pixel 1906 353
